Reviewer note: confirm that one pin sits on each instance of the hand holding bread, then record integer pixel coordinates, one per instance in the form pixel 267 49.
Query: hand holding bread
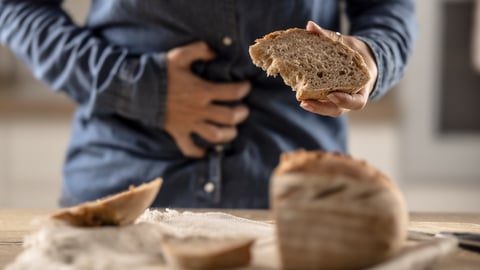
pixel 332 74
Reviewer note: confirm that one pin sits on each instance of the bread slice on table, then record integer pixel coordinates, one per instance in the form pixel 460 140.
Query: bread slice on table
pixel 116 210
pixel 335 212
pixel 312 64
pixel 200 252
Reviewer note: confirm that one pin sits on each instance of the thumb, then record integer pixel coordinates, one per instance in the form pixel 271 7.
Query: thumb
pixel 184 56
pixel 313 27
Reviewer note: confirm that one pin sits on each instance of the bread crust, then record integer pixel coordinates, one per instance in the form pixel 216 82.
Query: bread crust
pixel 292 73
pixel 115 210
pixel 327 205
pixel 331 163
pixel 200 253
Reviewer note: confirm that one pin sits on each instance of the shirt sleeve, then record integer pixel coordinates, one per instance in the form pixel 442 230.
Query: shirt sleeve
pixel 105 78
pixel 389 28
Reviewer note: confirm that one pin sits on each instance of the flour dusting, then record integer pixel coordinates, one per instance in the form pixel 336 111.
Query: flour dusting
pixel 55 245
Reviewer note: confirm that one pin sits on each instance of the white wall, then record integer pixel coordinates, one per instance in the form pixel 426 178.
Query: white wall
pixel 32 152
pixel 32 140
pixel 439 172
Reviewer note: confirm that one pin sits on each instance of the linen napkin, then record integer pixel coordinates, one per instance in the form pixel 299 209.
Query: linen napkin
pixel 55 245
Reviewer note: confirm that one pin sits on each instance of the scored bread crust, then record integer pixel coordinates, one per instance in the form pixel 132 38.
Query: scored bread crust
pixel 314 65
pixel 328 205
pixel 331 163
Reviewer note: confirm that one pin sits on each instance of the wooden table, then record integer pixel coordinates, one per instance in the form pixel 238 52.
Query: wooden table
pixel 15 224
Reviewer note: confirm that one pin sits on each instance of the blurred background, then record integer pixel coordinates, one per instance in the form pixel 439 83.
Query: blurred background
pixel 425 134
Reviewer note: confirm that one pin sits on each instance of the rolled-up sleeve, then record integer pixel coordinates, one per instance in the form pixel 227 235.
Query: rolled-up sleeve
pixel 104 78
pixel 389 28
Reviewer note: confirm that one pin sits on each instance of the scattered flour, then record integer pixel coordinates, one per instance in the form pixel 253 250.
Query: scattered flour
pixel 55 245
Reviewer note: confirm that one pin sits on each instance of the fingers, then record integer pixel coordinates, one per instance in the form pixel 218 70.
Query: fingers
pixel 226 116
pixel 219 127
pixel 186 145
pixel 356 101
pixel 313 27
pixel 191 102
pixel 338 103
pixel 184 56
pixel 228 91
pixel 322 107
pixel 211 132
pixel 215 134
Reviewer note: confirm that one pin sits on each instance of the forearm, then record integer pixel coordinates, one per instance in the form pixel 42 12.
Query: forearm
pixel 105 78
pixel 389 28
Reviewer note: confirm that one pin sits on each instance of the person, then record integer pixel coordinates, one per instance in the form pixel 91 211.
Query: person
pixel 167 89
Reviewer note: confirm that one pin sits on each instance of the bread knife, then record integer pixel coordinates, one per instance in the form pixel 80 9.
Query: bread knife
pixel 469 241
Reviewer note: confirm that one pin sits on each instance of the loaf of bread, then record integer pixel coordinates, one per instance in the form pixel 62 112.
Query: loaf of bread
pixel 312 64
pixel 335 212
pixel 198 252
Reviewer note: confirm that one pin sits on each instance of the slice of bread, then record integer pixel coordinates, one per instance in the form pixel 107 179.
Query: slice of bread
pixel 119 209
pixel 199 252
pixel 335 212
pixel 312 64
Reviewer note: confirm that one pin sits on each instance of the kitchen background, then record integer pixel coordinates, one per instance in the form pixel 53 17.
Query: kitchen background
pixel 425 134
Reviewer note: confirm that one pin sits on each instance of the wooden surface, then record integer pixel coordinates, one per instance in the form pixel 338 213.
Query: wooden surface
pixel 16 223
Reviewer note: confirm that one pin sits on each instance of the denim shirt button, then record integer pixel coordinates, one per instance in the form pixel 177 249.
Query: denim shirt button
pixel 227 41
pixel 209 187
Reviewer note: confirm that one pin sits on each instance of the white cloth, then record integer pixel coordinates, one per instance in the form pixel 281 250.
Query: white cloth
pixel 58 246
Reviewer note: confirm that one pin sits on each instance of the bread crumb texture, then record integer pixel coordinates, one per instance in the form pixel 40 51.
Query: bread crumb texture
pixel 312 64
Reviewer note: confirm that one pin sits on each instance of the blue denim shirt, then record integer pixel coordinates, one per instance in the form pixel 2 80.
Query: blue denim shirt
pixel 114 69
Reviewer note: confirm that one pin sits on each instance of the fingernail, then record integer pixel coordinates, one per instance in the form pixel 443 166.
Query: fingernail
pixel 306 106
pixel 333 98
pixel 243 112
pixel 311 26
pixel 247 87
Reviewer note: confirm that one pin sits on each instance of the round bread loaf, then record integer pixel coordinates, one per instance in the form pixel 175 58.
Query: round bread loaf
pixel 335 212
